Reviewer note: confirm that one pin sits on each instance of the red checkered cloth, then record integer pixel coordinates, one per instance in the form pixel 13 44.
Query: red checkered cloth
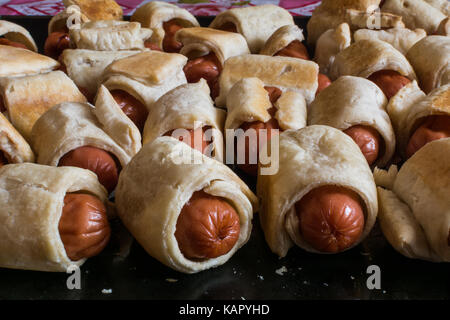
pixel 196 7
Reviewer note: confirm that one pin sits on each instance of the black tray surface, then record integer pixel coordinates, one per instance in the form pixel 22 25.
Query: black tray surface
pixel 254 272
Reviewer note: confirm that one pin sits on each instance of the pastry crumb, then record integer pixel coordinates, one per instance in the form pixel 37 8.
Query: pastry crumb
pixel 281 271
pixel 107 291
pixel 171 280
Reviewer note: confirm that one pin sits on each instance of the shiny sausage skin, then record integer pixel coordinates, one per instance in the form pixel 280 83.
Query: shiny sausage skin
pixel 56 43
pixel 133 108
pixel 368 139
pixel 390 82
pixel 433 128
pixel 152 46
pixel 324 82
pixel 331 218
pixel 207 67
pixel 169 43
pixel 270 126
pixel 189 140
pixel 83 226
pixel 229 27
pixel 208 227
pixel 96 160
pixel 7 42
pixel 295 49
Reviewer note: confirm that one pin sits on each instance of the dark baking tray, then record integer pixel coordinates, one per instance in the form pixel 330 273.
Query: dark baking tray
pixel 249 274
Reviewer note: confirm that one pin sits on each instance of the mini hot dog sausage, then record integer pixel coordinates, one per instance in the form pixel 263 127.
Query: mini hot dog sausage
pixel 271 126
pixel 433 128
pixel 389 81
pixel 56 43
pixel 7 42
pixel 169 43
pixel 368 139
pixel 331 218
pixel 295 49
pixel 324 82
pixel 208 227
pixel 97 160
pixel 133 108
pixel 83 226
pixel 2 105
pixel 189 135
pixel 207 67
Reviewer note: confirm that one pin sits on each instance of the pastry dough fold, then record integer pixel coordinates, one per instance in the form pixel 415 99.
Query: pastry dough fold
pixel 281 38
pixel 284 73
pixel 68 126
pixel 27 98
pixel 146 75
pixel 32 199
pixel 153 14
pixel 430 59
pixel 16 33
pixel 15 148
pixel 256 23
pixel 410 105
pixel 308 158
pixel 365 57
pixel 158 182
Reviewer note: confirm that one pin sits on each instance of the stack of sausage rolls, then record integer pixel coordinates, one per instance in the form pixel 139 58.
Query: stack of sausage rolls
pixel 158 122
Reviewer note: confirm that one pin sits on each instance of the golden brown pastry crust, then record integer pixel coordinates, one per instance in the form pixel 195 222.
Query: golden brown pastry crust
pixel 70 125
pixel 32 199
pixel 188 106
pixel 27 98
pixel 98 9
pixel 365 57
pixel 282 72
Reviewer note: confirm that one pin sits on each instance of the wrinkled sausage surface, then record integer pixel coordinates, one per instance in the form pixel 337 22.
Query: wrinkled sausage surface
pixel 207 227
pixel 331 218
pixel 83 226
